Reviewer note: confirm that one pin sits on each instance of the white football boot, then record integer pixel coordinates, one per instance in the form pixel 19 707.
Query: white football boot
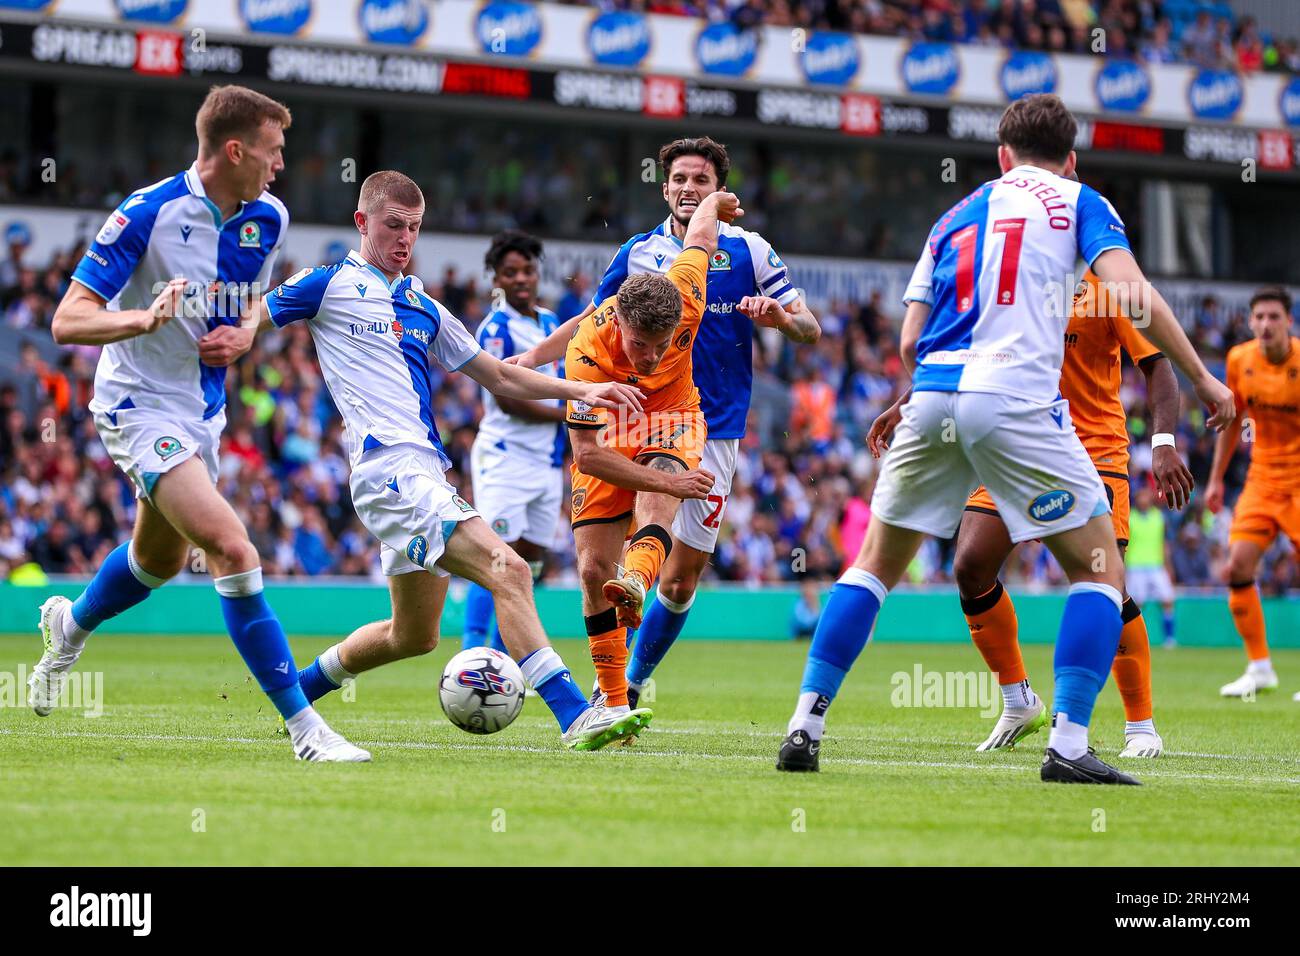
pixel 1015 724
pixel 319 744
pixel 48 676
pixel 1250 683
pixel 598 727
pixel 1143 745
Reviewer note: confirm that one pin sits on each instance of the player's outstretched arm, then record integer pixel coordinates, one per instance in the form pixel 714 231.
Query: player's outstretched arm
pixel 703 230
pixel 1148 309
pixel 226 344
pixel 669 477
pixel 515 381
pixel 551 348
pixel 796 323
pixel 1173 479
pixel 82 319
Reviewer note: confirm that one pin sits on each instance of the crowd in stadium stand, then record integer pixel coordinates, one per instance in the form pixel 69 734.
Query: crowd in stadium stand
pixel 1205 33
pixel 799 508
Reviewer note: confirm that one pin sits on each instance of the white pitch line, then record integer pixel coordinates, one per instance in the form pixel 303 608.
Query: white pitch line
pixel 638 752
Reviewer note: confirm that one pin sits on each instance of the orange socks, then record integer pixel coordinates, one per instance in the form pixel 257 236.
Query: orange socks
pixel 992 620
pixel 646 552
pixel 608 644
pixel 1132 667
pixel 1248 615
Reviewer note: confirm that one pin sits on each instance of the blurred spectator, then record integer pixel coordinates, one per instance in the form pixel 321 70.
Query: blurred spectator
pixel 807 609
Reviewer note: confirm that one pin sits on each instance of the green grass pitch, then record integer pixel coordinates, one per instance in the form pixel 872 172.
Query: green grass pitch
pixel 184 767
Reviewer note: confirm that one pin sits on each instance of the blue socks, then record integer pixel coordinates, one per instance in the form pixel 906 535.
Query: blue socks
pixel 1169 625
pixel 326 673
pixel 479 611
pixel 550 678
pixel 842 632
pixel 119 584
pixel 1085 650
pixel 661 626
pixel 260 640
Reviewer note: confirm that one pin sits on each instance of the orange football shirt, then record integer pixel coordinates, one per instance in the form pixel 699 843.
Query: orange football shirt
pixel 595 352
pixel 1268 401
pixel 1090 372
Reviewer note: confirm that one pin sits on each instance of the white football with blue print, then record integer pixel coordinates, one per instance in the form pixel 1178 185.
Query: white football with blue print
pixel 482 690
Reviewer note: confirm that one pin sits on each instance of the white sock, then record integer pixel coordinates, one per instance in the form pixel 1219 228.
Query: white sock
pixel 809 715
pixel 620 709
pixel 1068 739
pixel 635 686
pixel 74 635
pixel 1134 727
pixel 1019 696
pixel 1260 668
pixel 333 668
pixel 303 721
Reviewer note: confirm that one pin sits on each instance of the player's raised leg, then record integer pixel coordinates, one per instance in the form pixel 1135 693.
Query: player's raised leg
pixel 131 572
pixel 598 545
pixel 695 537
pixel 186 497
pixel 983 546
pixel 649 545
pixel 474 552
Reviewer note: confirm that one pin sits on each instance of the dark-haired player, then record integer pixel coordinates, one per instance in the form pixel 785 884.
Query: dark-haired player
pixel 518 453
pixel 744 266
pixel 985 353
pixel 1264 375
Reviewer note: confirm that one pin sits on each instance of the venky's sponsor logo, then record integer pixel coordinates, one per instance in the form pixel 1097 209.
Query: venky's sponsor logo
pixel 509 28
pixel 1051 505
pixel 1122 86
pixel 150 11
pixel 284 17
pixel 1215 94
pixel 1027 72
pixel 830 59
pixel 1289 102
pixel 931 68
pixel 724 49
pixel 401 22
pixel 619 38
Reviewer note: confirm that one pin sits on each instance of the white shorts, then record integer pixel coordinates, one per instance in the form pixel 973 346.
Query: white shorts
pixel 402 498
pixel 519 497
pixel 1148 584
pixel 1026 454
pixel 699 520
pixel 146 443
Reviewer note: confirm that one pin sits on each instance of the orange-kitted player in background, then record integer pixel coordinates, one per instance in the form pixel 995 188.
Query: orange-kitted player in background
pixel 1264 374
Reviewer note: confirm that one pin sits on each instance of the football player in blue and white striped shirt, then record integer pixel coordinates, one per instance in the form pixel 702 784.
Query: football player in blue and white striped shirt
pixel 518 453
pixel 161 289
pixel 374 330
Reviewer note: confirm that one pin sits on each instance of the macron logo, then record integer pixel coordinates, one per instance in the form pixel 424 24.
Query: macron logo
pixel 659 258
pixel 185 233
pixel 1057 416
pixel 134 910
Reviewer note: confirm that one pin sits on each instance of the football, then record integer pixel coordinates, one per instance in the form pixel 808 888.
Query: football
pixel 482 690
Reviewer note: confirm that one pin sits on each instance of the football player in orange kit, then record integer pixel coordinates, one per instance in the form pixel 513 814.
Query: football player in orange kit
pixel 634 471
pixel 1264 375
pixel 1090 382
